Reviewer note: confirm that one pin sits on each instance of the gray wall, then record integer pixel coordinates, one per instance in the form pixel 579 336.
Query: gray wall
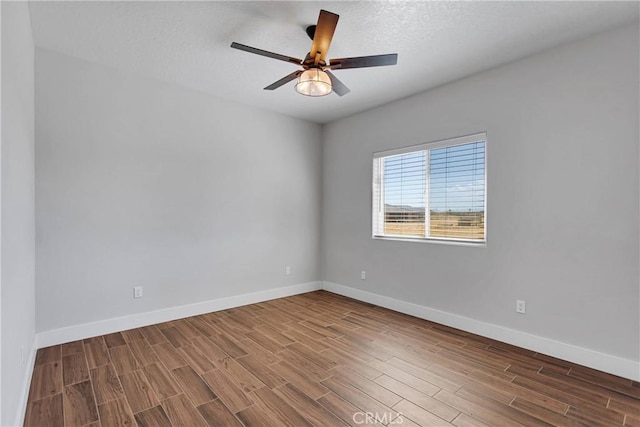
pixel 563 197
pixel 17 293
pixel 140 182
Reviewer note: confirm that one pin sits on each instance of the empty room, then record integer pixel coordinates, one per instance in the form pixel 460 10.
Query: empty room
pixel 228 213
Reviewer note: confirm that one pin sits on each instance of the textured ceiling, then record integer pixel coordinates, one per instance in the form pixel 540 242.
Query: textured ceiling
pixel 437 42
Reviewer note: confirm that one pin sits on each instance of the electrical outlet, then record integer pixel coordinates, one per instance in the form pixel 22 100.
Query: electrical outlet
pixel 137 291
pixel 520 306
pixel 287 270
pixel 363 275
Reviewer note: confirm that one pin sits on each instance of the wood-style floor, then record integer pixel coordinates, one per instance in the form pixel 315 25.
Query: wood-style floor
pixel 316 359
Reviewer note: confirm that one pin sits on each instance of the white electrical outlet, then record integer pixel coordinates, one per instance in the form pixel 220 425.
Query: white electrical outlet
pixel 520 306
pixel 363 275
pixel 287 270
pixel 137 291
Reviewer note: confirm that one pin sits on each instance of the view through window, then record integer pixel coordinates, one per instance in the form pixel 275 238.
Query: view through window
pixel 431 191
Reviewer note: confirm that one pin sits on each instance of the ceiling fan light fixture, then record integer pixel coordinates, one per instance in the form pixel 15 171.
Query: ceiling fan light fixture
pixel 314 82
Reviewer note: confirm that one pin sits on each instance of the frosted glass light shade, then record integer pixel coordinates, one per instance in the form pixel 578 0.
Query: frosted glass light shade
pixel 314 82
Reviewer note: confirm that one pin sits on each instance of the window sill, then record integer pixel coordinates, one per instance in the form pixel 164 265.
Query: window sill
pixel 478 244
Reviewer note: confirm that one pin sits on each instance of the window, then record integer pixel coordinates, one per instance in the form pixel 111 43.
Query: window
pixel 431 191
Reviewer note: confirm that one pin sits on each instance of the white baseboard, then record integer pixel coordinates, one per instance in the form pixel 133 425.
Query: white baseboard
pixel 583 356
pixel 107 326
pixel 26 383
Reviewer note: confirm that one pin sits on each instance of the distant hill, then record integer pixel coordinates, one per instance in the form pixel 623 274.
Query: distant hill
pixel 401 208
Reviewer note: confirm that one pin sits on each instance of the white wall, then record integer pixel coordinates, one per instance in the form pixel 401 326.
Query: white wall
pixel 140 182
pixel 563 197
pixel 17 293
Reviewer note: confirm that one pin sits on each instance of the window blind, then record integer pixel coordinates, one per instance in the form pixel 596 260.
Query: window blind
pixel 431 191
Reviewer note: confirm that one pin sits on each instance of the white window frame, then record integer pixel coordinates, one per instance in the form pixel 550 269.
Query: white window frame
pixel 377 190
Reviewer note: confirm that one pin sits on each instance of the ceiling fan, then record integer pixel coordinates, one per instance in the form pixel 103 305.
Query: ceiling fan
pixel 316 78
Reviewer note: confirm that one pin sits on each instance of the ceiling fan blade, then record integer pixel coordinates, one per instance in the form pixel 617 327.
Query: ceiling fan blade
pixel 266 53
pixel 336 85
pixel 283 80
pixel 325 28
pixel 364 61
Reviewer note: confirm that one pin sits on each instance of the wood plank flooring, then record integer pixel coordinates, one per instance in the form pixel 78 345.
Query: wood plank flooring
pixel 316 359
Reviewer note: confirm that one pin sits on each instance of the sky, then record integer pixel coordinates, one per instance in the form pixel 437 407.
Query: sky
pixel 456 178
